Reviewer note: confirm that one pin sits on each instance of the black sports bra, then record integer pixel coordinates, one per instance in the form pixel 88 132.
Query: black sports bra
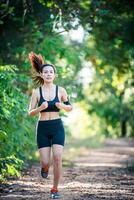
pixel 51 104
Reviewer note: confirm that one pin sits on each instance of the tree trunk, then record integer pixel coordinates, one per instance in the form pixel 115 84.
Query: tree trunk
pixel 123 128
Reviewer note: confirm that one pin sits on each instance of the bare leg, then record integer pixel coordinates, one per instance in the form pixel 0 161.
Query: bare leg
pixel 45 156
pixel 57 163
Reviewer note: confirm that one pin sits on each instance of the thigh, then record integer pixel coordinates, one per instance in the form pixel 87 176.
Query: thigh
pixel 45 154
pixel 43 141
pixel 58 135
pixel 42 135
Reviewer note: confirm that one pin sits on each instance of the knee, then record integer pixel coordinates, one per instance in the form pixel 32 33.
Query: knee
pixel 44 163
pixel 57 159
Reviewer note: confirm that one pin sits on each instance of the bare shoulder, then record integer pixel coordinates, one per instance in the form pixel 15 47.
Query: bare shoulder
pixel 63 93
pixel 35 92
pixel 62 90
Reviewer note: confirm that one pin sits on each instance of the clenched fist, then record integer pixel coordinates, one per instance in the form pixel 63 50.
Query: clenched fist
pixel 44 105
pixel 59 105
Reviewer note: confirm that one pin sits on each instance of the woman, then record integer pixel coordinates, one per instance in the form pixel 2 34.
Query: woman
pixel 47 100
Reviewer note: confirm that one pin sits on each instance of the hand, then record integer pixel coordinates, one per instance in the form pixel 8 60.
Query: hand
pixel 59 105
pixel 44 105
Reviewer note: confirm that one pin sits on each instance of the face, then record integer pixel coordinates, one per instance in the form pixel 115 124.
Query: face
pixel 48 74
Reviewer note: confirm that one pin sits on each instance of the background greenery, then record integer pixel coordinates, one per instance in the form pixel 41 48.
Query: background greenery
pixel 105 103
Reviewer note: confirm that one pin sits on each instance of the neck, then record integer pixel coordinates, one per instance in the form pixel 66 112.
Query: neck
pixel 48 85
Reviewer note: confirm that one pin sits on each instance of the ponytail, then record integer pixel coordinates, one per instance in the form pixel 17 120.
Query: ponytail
pixel 36 62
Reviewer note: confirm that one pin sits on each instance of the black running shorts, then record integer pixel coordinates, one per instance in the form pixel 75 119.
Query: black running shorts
pixel 49 132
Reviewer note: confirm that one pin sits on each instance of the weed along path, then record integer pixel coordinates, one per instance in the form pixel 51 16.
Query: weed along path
pixel 105 173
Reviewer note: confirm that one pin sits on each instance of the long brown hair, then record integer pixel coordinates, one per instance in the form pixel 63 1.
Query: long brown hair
pixel 38 64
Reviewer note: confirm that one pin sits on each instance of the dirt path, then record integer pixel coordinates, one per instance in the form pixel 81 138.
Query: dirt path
pixel 98 174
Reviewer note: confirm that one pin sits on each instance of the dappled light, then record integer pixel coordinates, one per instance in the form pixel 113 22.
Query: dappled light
pixel 88 47
pixel 95 174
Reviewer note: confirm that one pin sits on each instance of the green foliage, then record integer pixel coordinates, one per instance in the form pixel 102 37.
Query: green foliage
pixel 108 97
pixel 10 166
pixel 32 31
pixel 16 135
pixel 35 26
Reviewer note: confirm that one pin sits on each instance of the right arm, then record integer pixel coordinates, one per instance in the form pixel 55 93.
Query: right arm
pixel 33 103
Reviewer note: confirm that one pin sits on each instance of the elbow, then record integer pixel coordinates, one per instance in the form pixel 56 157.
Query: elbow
pixel 30 113
pixel 70 108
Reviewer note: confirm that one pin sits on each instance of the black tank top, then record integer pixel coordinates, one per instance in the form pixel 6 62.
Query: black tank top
pixel 51 104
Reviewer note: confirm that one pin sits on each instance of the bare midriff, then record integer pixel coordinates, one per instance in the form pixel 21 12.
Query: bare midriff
pixel 48 116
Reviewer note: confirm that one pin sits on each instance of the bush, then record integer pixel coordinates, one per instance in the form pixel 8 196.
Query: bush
pixel 16 129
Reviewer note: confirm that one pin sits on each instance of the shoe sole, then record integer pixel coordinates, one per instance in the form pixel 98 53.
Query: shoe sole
pixel 54 197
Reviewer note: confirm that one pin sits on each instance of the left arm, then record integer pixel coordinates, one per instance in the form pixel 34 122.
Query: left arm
pixel 65 104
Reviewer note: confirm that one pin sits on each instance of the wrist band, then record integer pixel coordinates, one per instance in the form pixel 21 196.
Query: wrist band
pixel 67 102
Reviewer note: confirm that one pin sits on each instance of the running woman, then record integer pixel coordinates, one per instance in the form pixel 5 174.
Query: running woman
pixel 47 100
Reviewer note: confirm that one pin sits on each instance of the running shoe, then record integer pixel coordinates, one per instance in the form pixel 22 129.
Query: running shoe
pixel 55 194
pixel 44 172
